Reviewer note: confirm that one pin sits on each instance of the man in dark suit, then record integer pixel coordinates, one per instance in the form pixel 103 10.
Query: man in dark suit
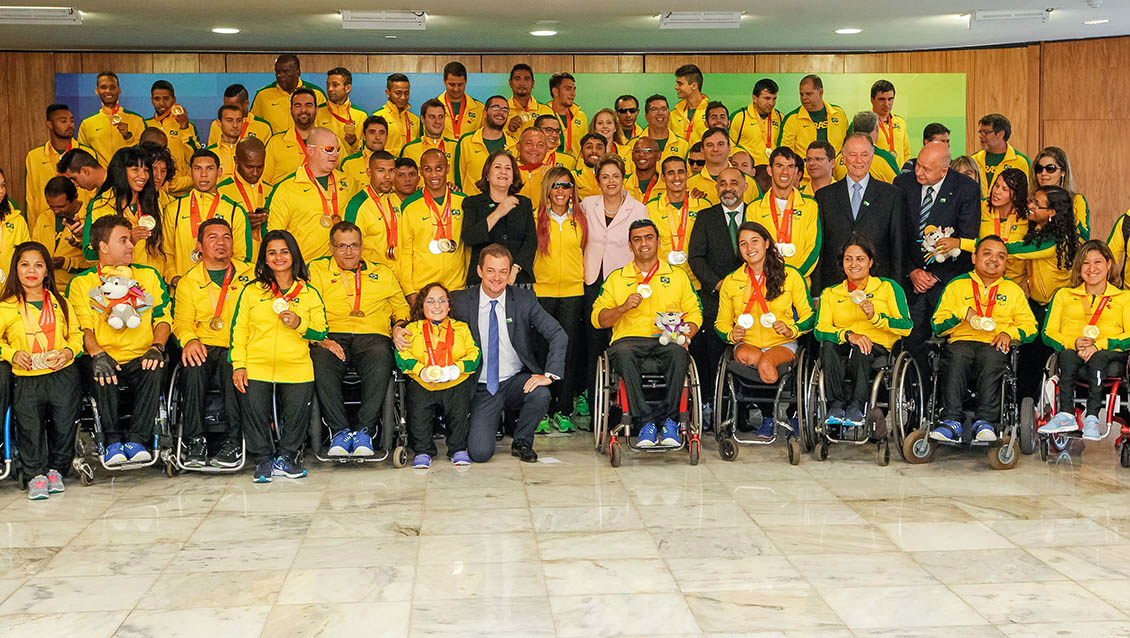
pixel 935 195
pixel 713 254
pixel 510 377
pixel 878 213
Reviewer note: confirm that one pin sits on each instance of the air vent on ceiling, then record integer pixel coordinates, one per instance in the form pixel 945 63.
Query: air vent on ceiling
pixel 40 15
pixel 700 20
pixel 384 20
pixel 982 19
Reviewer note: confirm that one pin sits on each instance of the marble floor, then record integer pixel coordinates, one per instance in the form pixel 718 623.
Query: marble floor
pixel 573 548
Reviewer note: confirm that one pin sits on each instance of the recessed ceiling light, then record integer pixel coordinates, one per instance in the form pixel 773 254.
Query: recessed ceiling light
pixel 1094 22
pixel 543 33
pixel 390 37
pixel 225 30
pixel 849 31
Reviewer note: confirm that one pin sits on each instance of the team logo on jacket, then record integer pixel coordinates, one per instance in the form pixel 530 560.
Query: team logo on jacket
pixel 243 279
pixel 374 276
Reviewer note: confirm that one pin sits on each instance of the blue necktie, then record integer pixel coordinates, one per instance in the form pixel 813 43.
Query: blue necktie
pixel 927 205
pixel 492 350
pixel 856 199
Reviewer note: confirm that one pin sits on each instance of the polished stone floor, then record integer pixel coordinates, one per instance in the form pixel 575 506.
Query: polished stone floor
pixel 571 547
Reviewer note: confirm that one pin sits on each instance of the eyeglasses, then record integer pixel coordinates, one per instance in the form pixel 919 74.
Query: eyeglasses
pixel 497 107
pixel 436 301
pixel 1046 168
pixel 655 109
pixel 328 150
pixel 350 246
pixel 700 162
pixel 562 186
pixel 548 129
pixel 624 111
pixel 1033 204
pixel 647 150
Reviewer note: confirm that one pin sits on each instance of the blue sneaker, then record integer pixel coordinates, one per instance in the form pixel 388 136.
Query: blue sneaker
pixel 362 443
pixel 648 437
pixel 1091 428
pixel 263 471
pixel 136 453
pixel 947 432
pixel 768 427
pixel 835 416
pixel 670 435
pixel 1060 423
pixel 983 431
pixel 288 468
pixel 461 458
pixel 342 444
pixel 422 462
pixel 114 455
pixel 853 418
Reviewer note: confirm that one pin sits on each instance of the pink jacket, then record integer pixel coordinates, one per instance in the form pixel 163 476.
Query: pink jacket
pixel 608 243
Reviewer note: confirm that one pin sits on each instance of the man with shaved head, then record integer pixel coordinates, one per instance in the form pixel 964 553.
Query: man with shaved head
pixel 934 196
pixel 245 187
pixel 432 223
pixel 286 151
pixel 309 201
pixel 272 101
pixel 645 183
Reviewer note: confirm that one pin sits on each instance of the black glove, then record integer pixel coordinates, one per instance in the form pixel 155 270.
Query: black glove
pixel 155 353
pixel 105 368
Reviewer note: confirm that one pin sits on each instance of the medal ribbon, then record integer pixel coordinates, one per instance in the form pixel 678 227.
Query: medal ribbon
pixel 1094 315
pixel 322 194
pixel 247 200
pixel 679 237
pixel 997 222
pixel 690 122
pixel 650 186
pixel 443 220
pixel 551 159
pixel 42 339
pixel 769 130
pixel 756 283
pixel 435 352
pixel 889 132
pixel 243 131
pixel 650 273
pixel 301 143
pixel 567 127
pixel 389 218
pixel 357 288
pixel 456 120
pixel 290 295
pixel 343 120
pixel 987 311
pixel 194 211
pixel 784 227
pixel 223 296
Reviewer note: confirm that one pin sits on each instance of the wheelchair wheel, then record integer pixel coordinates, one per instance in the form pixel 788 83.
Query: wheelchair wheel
pixel 694 400
pixel 400 456
pixel 917 448
pixel 601 400
pixel 822 451
pixel 694 447
pixel 1124 454
pixel 793 446
pixel 1044 446
pixel 907 401
pixel 314 446
pixel 614 453
pixel 729 450
pixel 801 370
pixel 1004 457
pixel 1027 426
pixel 884 453
pixel 812 429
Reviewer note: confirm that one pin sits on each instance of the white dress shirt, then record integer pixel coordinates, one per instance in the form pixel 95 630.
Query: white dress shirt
pixel 508 362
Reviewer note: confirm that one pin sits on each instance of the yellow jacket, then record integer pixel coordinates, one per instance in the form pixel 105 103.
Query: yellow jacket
pixel 901 147
pixel 884 167
pixel 798 129
pixel 356 166
pixel 807 230
pixel 747 129
pixel 573 129
pixel 180 238
pixel 99 133
pixel 415 149
pixel 249 197
pixel 672 291
pixel 708 184
pixel 420 266
pixel 1011 311
pixel 13 232
pixel 19 325
pixel 39 168
pixel 464 353
pixel 295 205
pixel 689 123
pixel 272 104
pixel 50 231
pixel 561 271
pixel 226 153
pixel 1044 274
pixel 182 143
pixel 793 306
pixel 382 301
pixel 673 146
pixel 639 192
pixel 256 127
pixel 470 155
pixel 403 126
pixel 376 218
pixel 285 154
pixel 471 121
pixel 264 346
pixel 1082 217
pixel 1071 310
pixel 328 116
pixel 667 219
pixel 1118 239
pixel 196 297
pixel 838 313
pixel 105 205
pixel 126 344
pixel 528 115
pixel 1012 159
pixel 1012 229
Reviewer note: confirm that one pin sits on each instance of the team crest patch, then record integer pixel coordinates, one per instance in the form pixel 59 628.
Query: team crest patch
pixel 374 276
pixel 665 279
pixel 243 279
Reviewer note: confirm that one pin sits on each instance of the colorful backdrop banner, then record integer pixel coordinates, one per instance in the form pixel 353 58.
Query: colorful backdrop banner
pixel 921 98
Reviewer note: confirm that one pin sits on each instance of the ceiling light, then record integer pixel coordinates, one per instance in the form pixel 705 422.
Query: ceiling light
pixel 384 20
pixel 543 33
pixel 40 15
pixel 390 37
pixel 849 31
pixel 981 20
pixel 700 20
pixel 225 30
pixel 1094 22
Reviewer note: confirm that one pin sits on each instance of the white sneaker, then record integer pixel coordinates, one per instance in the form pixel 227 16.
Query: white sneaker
pixel 1061 422
pixel 1091 428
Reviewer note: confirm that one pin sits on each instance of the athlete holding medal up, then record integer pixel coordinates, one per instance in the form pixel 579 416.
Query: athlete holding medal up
pixel 1089 325
pixel 431 221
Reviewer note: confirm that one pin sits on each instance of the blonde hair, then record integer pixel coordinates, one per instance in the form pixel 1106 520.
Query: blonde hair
pixel 966 163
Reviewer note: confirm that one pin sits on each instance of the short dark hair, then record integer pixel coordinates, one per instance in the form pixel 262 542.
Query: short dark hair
pixel 343 72
pixel 60 185
pixel 75 160
pixel 788 154
pixel 999 123
pixel 825 146
pixel 55 108
pixel 288 57
pixel 997 238
pixel 714 130
pixel 374 119
pixel 545 117
pixel 655 98
pixel 766 84
pixel 155 135
pixel 395 77
pixel 494 97
pixel 432 103
pixel 592 136
pixel 521 66
pixel 304 91
pixel 204 225
pixel 406 162
pixel 235 90
pixel 344 226
pixel 556 79
pixel 671 158
pixel 643 223
pixel 228 107
pixel 495 250
pixel 817 83
pixel 454 68
pixel 881 86
pixel 106 74
pixel 163 85
pixel 102 227
pixel 932 130
pixel 691 74
pixel 381 155
pixel 623 98
pixel 205 153
pixel 695 148
pixel 715 104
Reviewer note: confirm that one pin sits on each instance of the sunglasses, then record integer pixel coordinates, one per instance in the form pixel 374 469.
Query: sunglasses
pixel 625 111
pixel 562 186
pixel 700 162
pixel 1045 168
pixel 328 150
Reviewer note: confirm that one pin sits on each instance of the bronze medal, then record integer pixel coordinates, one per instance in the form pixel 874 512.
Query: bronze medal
pixel 216 323
pixel 356 313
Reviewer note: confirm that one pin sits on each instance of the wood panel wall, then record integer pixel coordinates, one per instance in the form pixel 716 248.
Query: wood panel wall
pixel 1069 94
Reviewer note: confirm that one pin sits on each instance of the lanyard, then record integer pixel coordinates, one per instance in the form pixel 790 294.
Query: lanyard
pixel 679 237
pixel 322 194
pixel 1094 315
pixel 389 218
pixel 46 327
pixel 690 122
pixel 784 227
pixel 651 184
pixel 567 126
pixel 650 273
pixel 443 220
pixel 343 120
pixel 756 283
pixel 769 130
pixel 194 211
pixel 456 120
pixel 889 132
pixel 435 352
pixel 243 131
pixel 246 198
pixel 223 296
pixel 357 288
pixel 987 310
pixel 1003 235
pixel 290 295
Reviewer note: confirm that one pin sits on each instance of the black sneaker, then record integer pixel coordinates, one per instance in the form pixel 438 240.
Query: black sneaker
pixel 195 452
pixel 524 452
pixel 228 456
pixel 263 470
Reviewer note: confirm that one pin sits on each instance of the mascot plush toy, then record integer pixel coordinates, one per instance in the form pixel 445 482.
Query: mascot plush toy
pixel 121 300
pixel 930 237
pixel 672 329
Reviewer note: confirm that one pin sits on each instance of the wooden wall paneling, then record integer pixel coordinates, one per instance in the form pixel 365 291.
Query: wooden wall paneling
pixel 1091 68
pixel 608 64
pixel 26 110
pixel 68 62
pixel 13 153
pixel 541 63
pixel 897 62
pixel 251 62
pixel 1035 88
pixel 117 62
pixel 1089 144
pixel 396 63
pixel 314 66
pixel 212 63
pixel 176 63
pixel 866 63
pixel 474 63
pixel 767 63
pixel 1002 79
pixel 803 63
pixel 668 63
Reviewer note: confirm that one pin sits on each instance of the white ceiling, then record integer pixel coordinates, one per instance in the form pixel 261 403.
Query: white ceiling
pixel 583 25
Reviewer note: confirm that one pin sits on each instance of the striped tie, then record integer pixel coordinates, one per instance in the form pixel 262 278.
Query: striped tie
pixel 927 205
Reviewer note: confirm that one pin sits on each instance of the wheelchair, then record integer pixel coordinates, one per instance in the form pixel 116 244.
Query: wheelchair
pixel 611 406
pixel 1016 416
pixel 896 396
pixel 90 445
pixel 215 423
pixel 393 433
pixel 1116 384
pixel 739 391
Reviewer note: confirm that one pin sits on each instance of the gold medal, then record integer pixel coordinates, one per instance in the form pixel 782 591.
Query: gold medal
pixel 644 291
pixel 216 323
pixel 988 324
pixel 350 128
pixel 857 297
pixel 280 305
pixel 195 256
pixel 356 313
pixel 391 252
pixel 1091 331
pixel 447 245
pixel 975 322
pixel 116 119
pixel 178 110
pixel 431 374
pixel 327 221
pixel 147 221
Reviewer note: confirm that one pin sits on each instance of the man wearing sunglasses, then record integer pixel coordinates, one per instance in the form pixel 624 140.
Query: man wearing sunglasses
pixel 996 154
pixel 627 109
pixel 286 151
pixel 644 184
pixel 313 198
pixel 757 127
